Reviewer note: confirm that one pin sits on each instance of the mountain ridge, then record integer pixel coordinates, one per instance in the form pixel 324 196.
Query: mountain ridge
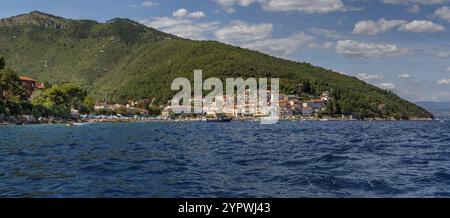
pixel 121 60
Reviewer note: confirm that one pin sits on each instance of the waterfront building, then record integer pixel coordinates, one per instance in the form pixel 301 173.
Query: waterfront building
pixel 30 85
pixel 307 111
pixel 167 112
pixel 315 104
pixel 101 106
pixel 296 105
pixel 326 97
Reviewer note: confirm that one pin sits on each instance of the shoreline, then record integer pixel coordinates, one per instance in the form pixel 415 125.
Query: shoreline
pixel 162 120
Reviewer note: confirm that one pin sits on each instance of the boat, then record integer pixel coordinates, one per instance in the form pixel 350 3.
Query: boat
pixel 80 124
pixel 75 124
pixel 219 119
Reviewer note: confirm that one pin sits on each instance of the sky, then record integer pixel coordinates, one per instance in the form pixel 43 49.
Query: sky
pixel 399 45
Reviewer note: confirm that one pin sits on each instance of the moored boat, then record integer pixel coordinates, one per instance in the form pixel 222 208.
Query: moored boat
pixel 219 120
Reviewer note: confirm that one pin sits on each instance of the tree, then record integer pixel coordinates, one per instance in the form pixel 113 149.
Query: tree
pixel 307 87
pixel 87 106
pixel 2 63
pixel 72 94
pixel 154 110
pixel 89 102
pixel 103 111
pixel 10 88
pixel 59 99
pixel 51 102
pixel 83 109
pixel 144 104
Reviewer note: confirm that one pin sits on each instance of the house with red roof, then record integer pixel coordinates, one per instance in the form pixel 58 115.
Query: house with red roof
pixel 30 85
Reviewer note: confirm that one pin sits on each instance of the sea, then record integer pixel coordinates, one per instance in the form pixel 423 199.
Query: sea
pixel 237 159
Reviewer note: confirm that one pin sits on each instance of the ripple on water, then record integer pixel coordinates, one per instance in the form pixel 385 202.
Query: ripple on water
pixel 289 159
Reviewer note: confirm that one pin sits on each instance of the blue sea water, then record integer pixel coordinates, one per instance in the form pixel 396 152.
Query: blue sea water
pixel 289 159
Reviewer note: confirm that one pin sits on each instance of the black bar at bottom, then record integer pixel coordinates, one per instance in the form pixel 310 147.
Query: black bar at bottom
pixel 223 207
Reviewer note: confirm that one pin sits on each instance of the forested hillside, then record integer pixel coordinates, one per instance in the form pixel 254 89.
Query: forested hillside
pixel 122 60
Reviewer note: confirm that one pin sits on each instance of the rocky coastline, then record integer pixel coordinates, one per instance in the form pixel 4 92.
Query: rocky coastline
pixel 30 120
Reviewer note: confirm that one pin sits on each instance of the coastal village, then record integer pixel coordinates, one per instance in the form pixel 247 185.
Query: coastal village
pixel 290 107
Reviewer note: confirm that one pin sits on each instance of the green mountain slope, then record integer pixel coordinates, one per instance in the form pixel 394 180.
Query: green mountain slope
pixel 122 60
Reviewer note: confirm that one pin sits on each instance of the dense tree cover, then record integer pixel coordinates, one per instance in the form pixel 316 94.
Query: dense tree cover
pixel 58 100
pixel 12 94
pixel 54 101
pixel 122 60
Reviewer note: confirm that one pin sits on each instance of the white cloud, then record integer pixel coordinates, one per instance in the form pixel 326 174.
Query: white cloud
pixel 327 45
pixel 240 31
pixel 444 82
pixel 329 34
pixel 369 77
pixel 180 13
pixel 197 31
pixel 259 37
pixel 369 27
pixel 197 14
pixel 420 2
pixel 282 47
pixel 183 24
pixel 419 26
pixel 227 5
pixel 423 90
pixel 252 36
pixel 388 86
pixel 443 13
pixel 322 6
pixel 307 6
pixel 164 22
pixel 441 53
pixel 413 9
pixel 404 76
pixel 233 2
pixel 448 69
pixel 356 49
pixel 149 4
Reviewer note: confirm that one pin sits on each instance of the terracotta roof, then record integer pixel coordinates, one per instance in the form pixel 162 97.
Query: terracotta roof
pixel 25 78
pixel 41 86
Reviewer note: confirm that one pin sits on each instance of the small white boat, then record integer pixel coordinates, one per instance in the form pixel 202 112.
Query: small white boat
pixel 76 124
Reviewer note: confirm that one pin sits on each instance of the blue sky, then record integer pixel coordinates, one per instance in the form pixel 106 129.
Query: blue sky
pixel 400 45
